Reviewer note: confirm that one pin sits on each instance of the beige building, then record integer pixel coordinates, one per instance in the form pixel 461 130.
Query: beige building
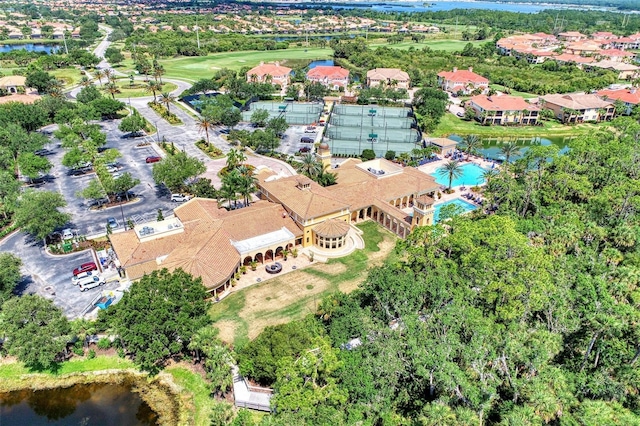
pixel 270 73
pixel 503 110
pixel 13 83
pixel 389 77
pixel 577 108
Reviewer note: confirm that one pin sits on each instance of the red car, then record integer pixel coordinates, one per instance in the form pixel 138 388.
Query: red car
pixel 153 159
pixel 85 267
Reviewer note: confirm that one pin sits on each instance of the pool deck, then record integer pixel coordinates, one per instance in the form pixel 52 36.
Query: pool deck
pixel 432 167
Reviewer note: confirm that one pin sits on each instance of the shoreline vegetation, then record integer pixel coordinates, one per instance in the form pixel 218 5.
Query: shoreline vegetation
pixel 161 392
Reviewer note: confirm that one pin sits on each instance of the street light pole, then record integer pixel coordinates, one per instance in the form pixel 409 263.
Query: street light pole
pixel 124 224
pixel 157 132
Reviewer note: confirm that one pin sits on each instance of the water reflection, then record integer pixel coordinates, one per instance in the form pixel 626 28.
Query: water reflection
pixel 491 146
pixel 96 404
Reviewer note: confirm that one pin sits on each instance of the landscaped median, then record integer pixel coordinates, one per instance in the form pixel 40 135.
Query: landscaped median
pixel 452 125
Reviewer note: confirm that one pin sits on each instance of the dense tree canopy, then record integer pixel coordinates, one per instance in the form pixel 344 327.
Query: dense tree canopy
pixel 176 170
pixel 158 317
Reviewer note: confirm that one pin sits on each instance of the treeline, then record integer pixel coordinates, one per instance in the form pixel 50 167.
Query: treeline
pixel 524 316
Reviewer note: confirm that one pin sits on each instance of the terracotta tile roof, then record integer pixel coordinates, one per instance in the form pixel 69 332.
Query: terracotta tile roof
pixel 387 73
pixel 25 99
pixel 332 228
pixel 572 34
pixel 309 203
pixel 567 57
pixel 329 72
pixel 502 103
pixel 577 101
pixel 625 95
pixel 269 69
pixel 616 53
pixel 463 76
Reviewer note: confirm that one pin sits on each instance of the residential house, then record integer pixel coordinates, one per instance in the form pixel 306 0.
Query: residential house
pixel 567 58
pixel 572 36
pixel 579 107
pixel 273 73
pixel 390 77
pixel 630 97
pixel 623 70
pixel 462 81
pixel 13 83
pixel 504 110
pixel 331 77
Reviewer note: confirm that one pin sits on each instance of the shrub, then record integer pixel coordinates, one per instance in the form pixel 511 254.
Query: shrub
pixel 164 113
pixel 209 149
pixel 92 354
pixel 104 343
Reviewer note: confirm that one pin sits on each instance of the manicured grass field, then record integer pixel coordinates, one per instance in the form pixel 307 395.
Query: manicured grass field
pixel 199 67
pixel 446 45
pixel 450 125
pixel 525 95
pixel 138 90
pixel 243 315
pixel 16 369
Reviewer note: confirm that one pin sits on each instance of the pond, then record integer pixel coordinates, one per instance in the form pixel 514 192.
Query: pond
pixel 491 146
pixel 321 63
pixel 31 47
pixel 96 404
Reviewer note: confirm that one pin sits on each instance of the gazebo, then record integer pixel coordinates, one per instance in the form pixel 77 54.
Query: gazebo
pixel 331 234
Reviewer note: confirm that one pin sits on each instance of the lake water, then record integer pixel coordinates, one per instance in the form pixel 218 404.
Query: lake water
pixel 324 63
pixel 491 146
pixel 435 6
pixel 31 47
pixel 96 404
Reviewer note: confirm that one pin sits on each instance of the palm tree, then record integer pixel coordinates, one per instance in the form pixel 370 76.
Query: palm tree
pixel 99 74
pixel 166 99
pixel 204 123
pixel 310 167
pixel 158 71
pixel 112 89
pixel 248 184
pixel 235 158
pixel 471 144
pixel 153 87
pixel 85 82
pixel 509 150
pixel 451 170
pixel 108 74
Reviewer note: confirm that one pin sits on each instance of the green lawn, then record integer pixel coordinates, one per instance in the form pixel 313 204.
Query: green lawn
pixel 139 90
pixel 199 67
pixel 525 95
pixel 452 125
pixel 16 369
pixel 244 314
pixel 446 45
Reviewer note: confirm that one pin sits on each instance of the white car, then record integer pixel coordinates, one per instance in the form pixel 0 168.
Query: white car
pixel 76 278
pixel 87 283
pixel 67 234
pixel 179 198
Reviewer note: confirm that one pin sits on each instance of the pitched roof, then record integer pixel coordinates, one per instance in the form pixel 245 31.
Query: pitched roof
pixel 463 76
pixel 332 228
pixel 13 80
pixel 25 99
pixel 502 103
pixel 387 73
pixel 625 95
pixel 567 57
pixel 577 101
pixel 330 72
pixel 269 69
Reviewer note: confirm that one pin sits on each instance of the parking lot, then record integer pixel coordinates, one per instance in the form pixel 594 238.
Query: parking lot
pixel 50 276
pixel 290 143
pixel 150 197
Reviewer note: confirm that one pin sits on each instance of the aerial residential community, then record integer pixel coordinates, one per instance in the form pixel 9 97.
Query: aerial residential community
pixel 277 213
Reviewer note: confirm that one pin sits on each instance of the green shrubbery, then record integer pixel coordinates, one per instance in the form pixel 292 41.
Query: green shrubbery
pixel 165 113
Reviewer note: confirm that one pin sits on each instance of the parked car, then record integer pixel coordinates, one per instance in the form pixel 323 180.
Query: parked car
pixel 85 267
pixel 153 159
pixel 179 198
pixel 90 282
pixel 112 169
pixel 76 278
pixel 459 114
pixel 67 234
pixel 304 149
pixel 112 222
pixel 306 139
pixel 224 131
pixel 310 129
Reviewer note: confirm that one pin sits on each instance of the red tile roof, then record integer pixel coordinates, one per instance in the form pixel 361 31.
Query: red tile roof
pixel 625 95
pixel 269 69
pixel 463 76
pixel 329 72
pixel 502 103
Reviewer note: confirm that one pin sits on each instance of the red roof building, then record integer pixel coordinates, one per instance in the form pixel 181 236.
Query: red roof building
pixel 331 77
pixel 269 73
pixel 630 97
pixel 464 81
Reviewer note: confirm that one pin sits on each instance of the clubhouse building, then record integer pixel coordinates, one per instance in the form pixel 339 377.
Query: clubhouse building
pixel 293 212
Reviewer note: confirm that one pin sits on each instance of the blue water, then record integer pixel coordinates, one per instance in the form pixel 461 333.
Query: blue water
pixel 31 47
pixel 435 6
pixel 491 146
pixel 323 63
pixel 471 176
pixel 465 206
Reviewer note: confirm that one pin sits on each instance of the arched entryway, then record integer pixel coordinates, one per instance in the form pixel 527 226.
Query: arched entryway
pixel 259 258
pixel 279 253
pixel 268 256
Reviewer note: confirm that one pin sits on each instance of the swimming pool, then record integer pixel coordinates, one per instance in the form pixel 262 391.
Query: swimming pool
pixel 465 206
pixel 471 175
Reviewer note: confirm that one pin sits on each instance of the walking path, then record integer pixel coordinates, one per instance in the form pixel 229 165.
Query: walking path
pixel 247 396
